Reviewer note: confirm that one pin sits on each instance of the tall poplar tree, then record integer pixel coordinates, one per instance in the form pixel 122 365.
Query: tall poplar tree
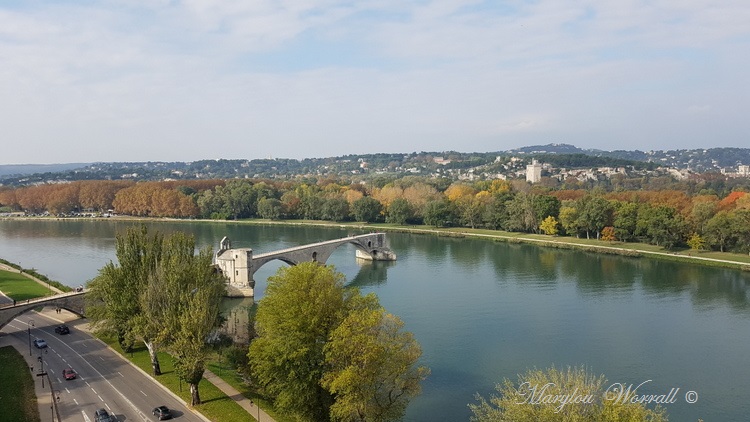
pixel 182 299
pixel 113 303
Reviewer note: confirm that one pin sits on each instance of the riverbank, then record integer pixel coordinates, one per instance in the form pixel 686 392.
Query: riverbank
pixel 709 258
pixel 51 285
pixel 700 257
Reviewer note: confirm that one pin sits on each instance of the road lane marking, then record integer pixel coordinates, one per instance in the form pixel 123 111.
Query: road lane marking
pixel 75 401
pixel 143 393
pixel 94 391
pixel 66 389
pixel 130 403
pixel 121 374
pixel 100 398
pixel 85 417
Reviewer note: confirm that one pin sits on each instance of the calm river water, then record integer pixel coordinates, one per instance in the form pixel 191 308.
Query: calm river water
pixel 484 311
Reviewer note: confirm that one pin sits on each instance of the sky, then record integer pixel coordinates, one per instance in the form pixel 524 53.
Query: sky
pixel 186 80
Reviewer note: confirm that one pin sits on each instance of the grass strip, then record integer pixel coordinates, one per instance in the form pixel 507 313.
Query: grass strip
pixel 17 393
pixel 231 377
pixel 731 260
pixel 215 405
pixel 19 287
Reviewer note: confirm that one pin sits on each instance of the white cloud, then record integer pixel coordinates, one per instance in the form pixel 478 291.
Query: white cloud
pixel 177 80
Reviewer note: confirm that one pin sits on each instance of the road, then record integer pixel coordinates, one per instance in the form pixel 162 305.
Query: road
pixel 105 379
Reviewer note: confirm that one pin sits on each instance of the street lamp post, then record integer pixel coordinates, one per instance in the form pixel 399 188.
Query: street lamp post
pixel 30 324
pixel 41 369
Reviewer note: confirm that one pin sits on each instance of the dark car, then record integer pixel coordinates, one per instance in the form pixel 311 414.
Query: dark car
pixel 102 415
pixel 62 329
pixel 40 343
pixel 162 412
pixel 69 374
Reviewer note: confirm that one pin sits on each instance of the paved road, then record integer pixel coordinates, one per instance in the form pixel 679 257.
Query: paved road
pixel 105 379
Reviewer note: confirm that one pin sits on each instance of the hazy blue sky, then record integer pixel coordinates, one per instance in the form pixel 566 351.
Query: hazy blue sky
pixel 139 80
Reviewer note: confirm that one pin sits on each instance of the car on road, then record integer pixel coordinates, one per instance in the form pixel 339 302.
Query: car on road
pixel 40 343
pixel 162 412
pixel 69 374
pixel 62 329
pixel 102 415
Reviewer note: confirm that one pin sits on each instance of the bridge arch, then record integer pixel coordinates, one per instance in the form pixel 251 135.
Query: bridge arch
pixel 240 264
pixel 72 301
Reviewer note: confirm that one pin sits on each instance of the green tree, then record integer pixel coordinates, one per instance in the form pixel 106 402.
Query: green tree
pixel 302 306
pixel 495 213
pixel 521 215
pixel 326 352
pixel 625 220
pixel 335 209
pixel 182 299
pixel 524 403
pixel 545 206
pixel 399 212
pixel 373 371
pixel 701 213
pixel 569 220
pixel 661 225
pixel 270 208
pixel 437 213
pixel 113 302
pixel 594 213
pixel 719 230
pixel 366 209
pixel 310 201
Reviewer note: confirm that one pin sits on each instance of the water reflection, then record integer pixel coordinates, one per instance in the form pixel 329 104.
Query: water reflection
pixel 483 310
pixel 371 273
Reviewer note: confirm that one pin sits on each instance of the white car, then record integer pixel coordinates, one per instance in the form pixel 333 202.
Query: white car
pixel 40 343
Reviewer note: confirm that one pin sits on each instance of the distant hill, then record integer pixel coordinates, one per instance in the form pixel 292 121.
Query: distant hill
pixel 450 164
pixel 26 169
pixel 700 160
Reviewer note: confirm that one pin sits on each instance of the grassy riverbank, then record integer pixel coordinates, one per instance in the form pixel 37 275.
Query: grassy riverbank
pixel 19 287
pixel 710 258
pixel 31 273
pixel 16 388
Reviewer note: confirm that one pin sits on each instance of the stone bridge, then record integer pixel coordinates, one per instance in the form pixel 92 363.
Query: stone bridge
pixel 239 265
pixel 72 301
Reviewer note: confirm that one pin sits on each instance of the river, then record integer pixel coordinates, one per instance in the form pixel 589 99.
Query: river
pixel 485 310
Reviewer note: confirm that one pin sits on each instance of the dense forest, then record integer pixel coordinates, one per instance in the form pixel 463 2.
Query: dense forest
pixel 677 215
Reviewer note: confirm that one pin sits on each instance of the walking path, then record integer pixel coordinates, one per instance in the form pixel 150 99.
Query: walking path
pixel 247 404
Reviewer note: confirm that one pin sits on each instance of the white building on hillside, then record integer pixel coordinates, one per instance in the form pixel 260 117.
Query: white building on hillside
pixel 534 172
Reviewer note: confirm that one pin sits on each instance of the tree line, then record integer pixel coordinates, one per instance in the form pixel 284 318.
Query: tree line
pixel 668 218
